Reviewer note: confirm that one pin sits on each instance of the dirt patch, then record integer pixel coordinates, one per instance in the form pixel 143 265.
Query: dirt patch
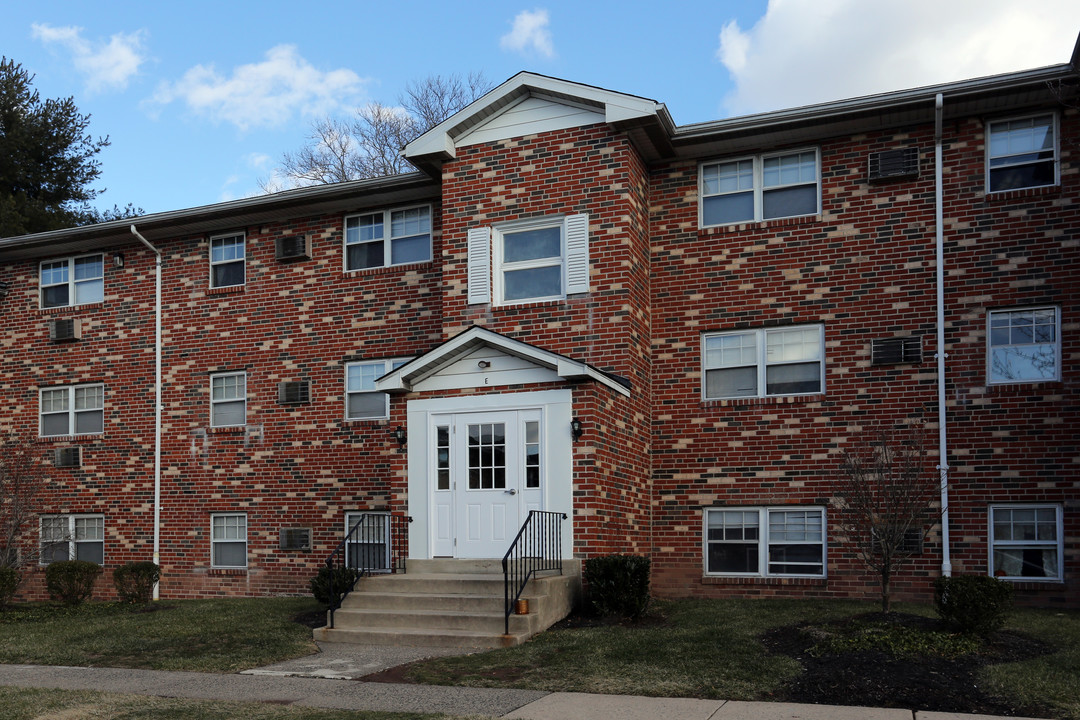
pixel 312 619
pixel 880 678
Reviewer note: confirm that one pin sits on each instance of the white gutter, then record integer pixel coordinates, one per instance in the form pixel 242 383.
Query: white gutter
pixel 157 403
pixel 943 448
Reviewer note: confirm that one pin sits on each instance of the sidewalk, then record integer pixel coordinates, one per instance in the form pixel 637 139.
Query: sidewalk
pixel 489 702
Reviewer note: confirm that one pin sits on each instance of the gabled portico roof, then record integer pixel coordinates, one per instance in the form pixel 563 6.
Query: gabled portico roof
pixel 430 363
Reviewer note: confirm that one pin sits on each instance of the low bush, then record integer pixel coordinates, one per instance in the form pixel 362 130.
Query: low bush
pixel 71 581
pixel 975 604
pixel 9 583
pixel 135 581
pixel 618 584
pixel 344 579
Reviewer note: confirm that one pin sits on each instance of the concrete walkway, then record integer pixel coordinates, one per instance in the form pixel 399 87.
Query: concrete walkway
pixel 489 702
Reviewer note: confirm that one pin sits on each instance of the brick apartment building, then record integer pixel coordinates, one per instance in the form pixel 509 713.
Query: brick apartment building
pixel 669 333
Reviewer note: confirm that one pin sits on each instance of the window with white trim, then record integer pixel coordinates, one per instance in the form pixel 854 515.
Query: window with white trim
pixel 228 399
pixel 529 260
pixel 72 281
pixel 72 537
pixel 1021 153
pixel 766 542
pixel 1023 345
pixel 764 363
pixel 388 237
pixel 760 187
pixel 1026 542
pixel 362 402
pixel 227 259
pixel 72 410
pixel 228 540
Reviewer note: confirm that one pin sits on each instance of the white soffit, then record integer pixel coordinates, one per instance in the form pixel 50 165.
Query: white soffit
pixel 478 342
pixel 533 114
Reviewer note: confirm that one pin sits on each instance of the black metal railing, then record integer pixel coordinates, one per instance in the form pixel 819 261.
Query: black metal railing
pixel 377 542
pixel 537 547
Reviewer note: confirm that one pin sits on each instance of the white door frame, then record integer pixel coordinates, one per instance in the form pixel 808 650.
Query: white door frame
pixel 556 409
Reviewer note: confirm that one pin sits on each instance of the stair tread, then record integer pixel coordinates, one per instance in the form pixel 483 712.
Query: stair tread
pixel 407 611
pixel 446 632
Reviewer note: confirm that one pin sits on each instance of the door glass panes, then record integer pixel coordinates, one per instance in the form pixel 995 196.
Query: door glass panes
pixel 442 457
pixel 487 456
pixel 532 454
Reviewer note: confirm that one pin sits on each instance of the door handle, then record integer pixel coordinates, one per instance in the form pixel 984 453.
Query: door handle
pixel 511 491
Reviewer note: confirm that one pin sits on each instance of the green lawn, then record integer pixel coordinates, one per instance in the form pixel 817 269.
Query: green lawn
pixel 201 635
pixel 36 704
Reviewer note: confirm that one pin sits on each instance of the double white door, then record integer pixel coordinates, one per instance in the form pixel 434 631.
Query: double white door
pixel 487 475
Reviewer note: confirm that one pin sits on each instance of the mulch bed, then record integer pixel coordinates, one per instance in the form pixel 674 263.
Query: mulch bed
pixel 877 679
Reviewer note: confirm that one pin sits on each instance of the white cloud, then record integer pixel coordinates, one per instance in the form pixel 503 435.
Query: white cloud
pixel 267 93
pixel 807 51
pixel 106 66
pixel 529 33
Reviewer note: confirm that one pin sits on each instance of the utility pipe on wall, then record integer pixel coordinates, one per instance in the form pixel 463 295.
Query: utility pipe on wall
pixel 157 402
pixel 943 448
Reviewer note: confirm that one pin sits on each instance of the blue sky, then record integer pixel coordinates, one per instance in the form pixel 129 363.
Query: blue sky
pixel 200 99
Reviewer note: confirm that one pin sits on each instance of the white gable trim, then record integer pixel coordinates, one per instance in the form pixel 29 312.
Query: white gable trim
pixel 529 116
pixel 407 377
pixel 443 139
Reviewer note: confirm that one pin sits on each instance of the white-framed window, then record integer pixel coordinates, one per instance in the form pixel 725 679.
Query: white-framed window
pixel 760 187
pixel 72 281
pixel 764 362
pixel 1026 542
pixel 1021 153
pixel 362 402
pixel 228 399
pixel 72 410
pixel 72 537
pixel 388 237
pixel 768 541
pixel 228 540
pixel 227 258
pixel 1023 345
pixel 529 260
pixel 368 546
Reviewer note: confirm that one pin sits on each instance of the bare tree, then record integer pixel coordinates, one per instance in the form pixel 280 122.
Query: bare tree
pixel 24 476
pixel 369 144
pixel 889 493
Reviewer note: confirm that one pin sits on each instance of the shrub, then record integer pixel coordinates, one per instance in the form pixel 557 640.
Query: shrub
pixel 71 581
pixel 344 579
pixel 135 581
pixel 9 583
pixel 976 604
pixel 618 584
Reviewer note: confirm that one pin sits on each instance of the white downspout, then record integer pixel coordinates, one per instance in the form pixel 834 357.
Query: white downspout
pixel 943 448
pixel 157 403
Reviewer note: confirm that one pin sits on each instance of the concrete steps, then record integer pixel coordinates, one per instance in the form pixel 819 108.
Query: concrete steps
pixel 449 603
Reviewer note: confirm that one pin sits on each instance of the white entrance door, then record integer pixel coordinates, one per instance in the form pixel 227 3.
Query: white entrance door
pixel 487 477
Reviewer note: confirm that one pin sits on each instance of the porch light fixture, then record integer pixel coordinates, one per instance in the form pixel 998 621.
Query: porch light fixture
pixel 575 428
pixel 118 259
pixel 484 364
pixel 399 435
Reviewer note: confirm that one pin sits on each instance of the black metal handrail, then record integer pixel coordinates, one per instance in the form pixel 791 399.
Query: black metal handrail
pixel 537 547
pixel 377 542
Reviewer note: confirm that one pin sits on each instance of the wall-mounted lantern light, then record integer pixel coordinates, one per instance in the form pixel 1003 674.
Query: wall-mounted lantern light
pixel 400 436
pixel 575 428
pixel 118 259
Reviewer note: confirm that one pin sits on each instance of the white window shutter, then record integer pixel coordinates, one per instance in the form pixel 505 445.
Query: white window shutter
pixel 479 265
pixel 577 253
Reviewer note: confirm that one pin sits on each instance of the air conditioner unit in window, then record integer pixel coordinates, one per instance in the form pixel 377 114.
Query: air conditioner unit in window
pixel 894 351
pixel 68 457
pixel 295 539
pixel 897 164
pixel 65 329
pixel 294 247
pixel 294 393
